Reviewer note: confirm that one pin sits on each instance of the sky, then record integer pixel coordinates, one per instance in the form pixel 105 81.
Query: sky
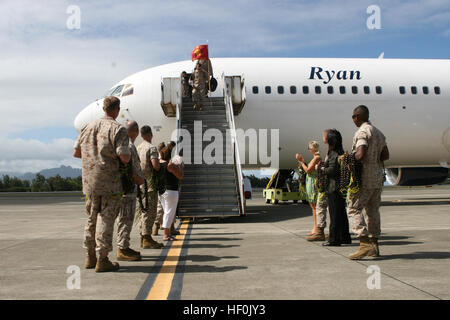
pixel 51 70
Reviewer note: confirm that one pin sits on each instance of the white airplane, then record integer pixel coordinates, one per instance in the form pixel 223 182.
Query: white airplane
pixel 409 101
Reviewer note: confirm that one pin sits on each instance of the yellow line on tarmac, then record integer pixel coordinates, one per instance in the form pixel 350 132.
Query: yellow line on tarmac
pixel 163 282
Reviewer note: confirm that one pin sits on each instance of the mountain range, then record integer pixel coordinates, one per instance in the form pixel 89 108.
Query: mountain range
pixel 63 171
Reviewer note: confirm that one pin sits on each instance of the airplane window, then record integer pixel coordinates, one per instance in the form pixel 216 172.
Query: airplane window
pixel 280 89
pixel 437 90
pixel 402 90
pixel 414 90
pixel 355 90
pixel 114 91
pixel 318 90
pixel 305 89
pixel 117 91
pixel 425 90
pixel 293 89
pixel 342 89
pixel 255 90
pixel 366 90
pixel 330 89
pixel 268 89
pixel 128 92
pixel 379 90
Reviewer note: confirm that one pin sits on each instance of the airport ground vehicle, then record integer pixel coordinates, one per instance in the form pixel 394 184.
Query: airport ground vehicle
pixel 247 188
pixel 284 186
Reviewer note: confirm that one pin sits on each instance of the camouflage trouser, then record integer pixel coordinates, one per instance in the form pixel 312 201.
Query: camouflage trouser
pixel 98 231
pixel 198 92
pixel 148 216
pixel 159 212
pixel 186 90
pixel 367 223
pixel 125 220
pixel 321 210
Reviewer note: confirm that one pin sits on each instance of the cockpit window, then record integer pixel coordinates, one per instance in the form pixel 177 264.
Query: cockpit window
pixel 116 91
pixel 128 92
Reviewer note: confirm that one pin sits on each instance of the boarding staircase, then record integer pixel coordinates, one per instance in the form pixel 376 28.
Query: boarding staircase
pixel 212 186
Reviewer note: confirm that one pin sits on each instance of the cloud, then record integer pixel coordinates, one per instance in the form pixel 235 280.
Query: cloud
pixel 49 73
pixel 19 155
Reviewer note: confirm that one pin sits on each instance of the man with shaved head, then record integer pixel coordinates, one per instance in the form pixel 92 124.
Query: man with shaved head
pixel 128 203
pixel 370 149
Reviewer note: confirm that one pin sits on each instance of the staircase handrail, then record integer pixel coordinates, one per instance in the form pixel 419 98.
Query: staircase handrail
pixel 179 105
pixel 234 141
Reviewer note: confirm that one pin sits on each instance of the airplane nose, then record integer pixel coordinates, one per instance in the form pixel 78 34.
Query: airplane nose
pixel 92 112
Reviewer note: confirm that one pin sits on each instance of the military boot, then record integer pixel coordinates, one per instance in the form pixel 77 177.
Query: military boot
pixel 128 254
pixel 104 265
pixel 149 243
pixel 173 231
pixel 156 227
pixel 91 259
pixel 374 243
pixel 318 236
pixel 365 249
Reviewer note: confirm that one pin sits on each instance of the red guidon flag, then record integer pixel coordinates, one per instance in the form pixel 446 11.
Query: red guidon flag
pixel 200 52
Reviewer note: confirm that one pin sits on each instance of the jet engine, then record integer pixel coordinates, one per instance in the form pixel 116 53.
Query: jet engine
pixel 416 176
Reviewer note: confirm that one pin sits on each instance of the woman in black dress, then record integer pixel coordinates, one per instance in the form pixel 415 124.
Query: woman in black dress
pixel 339 233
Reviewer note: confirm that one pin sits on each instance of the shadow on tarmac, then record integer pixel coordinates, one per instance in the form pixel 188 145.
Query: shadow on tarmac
pixel 263 214
pixel 174 269
pixel 193 258
pixel 215 239
pixel 210 246
pixel 417 255
pixel 415 203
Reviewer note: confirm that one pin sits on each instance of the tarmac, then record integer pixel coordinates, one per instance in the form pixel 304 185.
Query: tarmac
pixel 263 255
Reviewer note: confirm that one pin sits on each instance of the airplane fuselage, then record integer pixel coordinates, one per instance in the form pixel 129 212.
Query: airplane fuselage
pixel 408 101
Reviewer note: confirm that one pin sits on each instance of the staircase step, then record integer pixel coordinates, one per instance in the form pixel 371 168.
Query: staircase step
pixel 190 186
pixel 204 108
pixel 204 116
pixel 209 177
pixel 205 125
pixel 208 168
pixel 229 206
pixel 187 113
pixel 208 214
pixel 214 99
pixel 193 193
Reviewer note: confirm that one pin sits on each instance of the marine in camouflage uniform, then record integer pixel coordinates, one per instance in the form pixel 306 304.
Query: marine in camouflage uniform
pixel 148 152
pixel 321 210
pixel 125 219
pixel 363 206
pixel 200 78
pixel 322 207
pixel 101 145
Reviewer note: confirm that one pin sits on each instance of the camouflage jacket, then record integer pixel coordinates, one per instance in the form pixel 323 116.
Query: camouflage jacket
pixel 101 142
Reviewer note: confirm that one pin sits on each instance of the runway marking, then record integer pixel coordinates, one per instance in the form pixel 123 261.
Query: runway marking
pixel 163 283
